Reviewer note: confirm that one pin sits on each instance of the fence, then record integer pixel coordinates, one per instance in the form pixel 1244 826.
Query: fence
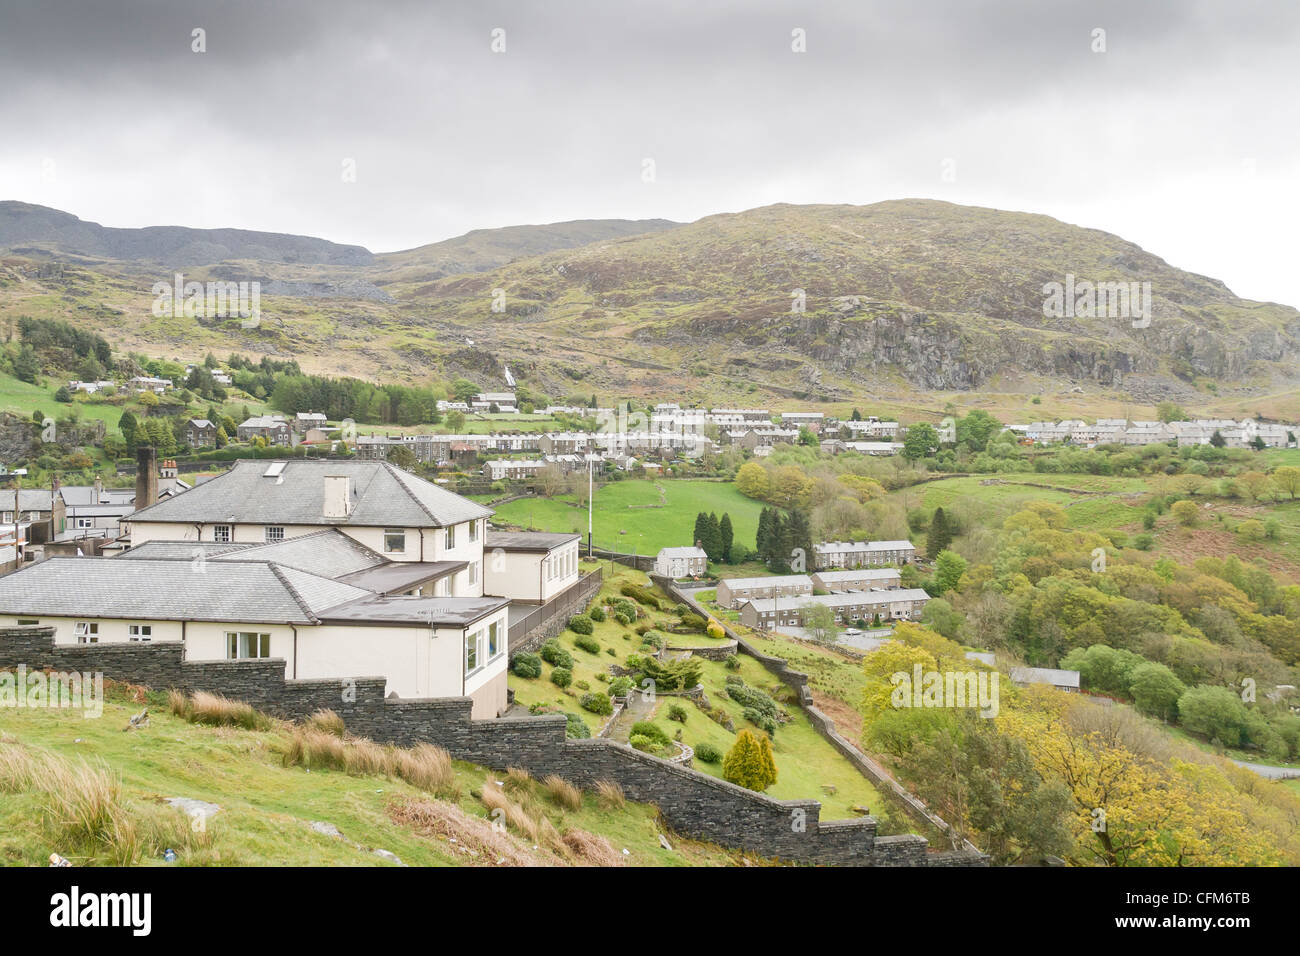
pixel 568 602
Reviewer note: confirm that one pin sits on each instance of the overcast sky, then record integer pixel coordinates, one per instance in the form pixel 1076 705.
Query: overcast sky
pixel 1182 136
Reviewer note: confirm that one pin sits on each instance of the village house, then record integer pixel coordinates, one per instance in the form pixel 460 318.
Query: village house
pixel 857 579
pixel 732 592
pixel 273 428
pixel 901 604
pixel 200 433
pixel 339 568
pixel 858 554
pixel 681 562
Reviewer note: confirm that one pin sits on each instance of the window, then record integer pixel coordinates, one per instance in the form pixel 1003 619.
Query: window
pixel 394 540
pixel 494 640
pixel 274 532
pixel 451 536
pixel 472 571
pixel 27 622
pixel 8 517
pixel 87 632
pixel 473 530
pixel 472 642
pixel 221 532
pixel 242 645
pixel 82 523
pixel 140 633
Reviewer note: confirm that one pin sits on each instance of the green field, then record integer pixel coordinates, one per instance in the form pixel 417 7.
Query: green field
pixel 629 516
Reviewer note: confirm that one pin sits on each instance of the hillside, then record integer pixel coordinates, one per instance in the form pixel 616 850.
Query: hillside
pixel 276 815
pixel 907 303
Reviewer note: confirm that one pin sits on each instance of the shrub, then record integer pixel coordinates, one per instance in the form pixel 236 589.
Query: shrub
pixel 619 686
pixel 752 698
pixel 641 595
pixel 1186 513
pixel 588 644
pixel 650 730
pixel 694 622
pixel 707 752
pixel 582 685
pixel 643 743
pixel 731 662
pixel 597 614
pixel 653 639
pixel 580 624
pixel 760 720
pixel 749 762
pixel 1144 542
pixel 597 703
pixel 612 653
pixel 624 618
pixel 561 676
pixel 714 629
pixel 555 655
pixel 677 712
pixel 575 728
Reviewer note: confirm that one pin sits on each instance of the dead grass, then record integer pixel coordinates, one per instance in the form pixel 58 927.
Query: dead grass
pixel 610 795
pixel 326 721
pixel 424 766
pixel 563 793
pixel 588 849
pixel 476 838
pixel 214 710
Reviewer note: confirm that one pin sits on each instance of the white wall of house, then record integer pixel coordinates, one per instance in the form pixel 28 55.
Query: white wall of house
pixel 531 576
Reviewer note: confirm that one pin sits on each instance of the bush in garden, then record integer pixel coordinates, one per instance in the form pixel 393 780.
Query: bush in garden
pixel 714 629
pixel 707 752
pixel 635 662
pixel 677 712
pixel 640 595
pixel 749 762
pixel 561 676
pixel 588 644
pixel 649 729
pixel 597 614
pixel 751 697
pixel 644 744
pixel 575 728
pixel 527 665
pixel 611 652
pixel 582 685
pixel 731 662
pixel 619 686
pixel 555 655
pixel 681 609
pixel 597 703
pixel 580 624
pixel 761 720
pixel 652 638
pixel 696 622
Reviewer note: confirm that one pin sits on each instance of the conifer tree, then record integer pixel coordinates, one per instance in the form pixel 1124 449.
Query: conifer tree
pixel 939 536
pixel 749 762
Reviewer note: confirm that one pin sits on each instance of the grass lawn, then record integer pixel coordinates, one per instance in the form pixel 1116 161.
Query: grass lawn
pixel 266 808
pixel 807 765
pixel 641 516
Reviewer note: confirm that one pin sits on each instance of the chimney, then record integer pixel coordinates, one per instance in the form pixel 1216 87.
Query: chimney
pixel 169 468
pixel 99 489
pixel 146 476
pixel 338 496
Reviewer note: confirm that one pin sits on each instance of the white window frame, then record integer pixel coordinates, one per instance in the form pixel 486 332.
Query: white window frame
pixel 449 537
pixel 237 645
pixel 83 524
pixel 472 574
pixel 401 532
pixel 139 633
pixel 473 531
pixel 87 632
pixel 495 646
pixel 473 652
pixel 274 533
pixel 223 533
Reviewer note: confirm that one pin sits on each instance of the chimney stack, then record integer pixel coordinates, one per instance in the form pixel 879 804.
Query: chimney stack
pixel 338 496
pixel 99 489
pixel 146 476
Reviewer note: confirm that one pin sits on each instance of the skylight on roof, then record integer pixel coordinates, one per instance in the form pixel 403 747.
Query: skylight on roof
pixel 274 470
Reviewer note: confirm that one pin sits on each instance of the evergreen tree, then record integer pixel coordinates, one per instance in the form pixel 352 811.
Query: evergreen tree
pixel 856 416
pixel 939 536
pixel 701 532
pixel 749 762
pixel 763 536
pixel 713 544
pixel 796 542
pixel 773 556
pixel 728 537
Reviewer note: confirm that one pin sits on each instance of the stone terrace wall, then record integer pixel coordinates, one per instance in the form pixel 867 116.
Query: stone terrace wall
pixel 691 802
pixel 797 681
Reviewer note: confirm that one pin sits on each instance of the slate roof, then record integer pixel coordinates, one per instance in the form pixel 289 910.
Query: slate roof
pixel 382 496
pixel 429 611
pixel 537 541
pixel 329 553
pixel 225 591
pixel 180 550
